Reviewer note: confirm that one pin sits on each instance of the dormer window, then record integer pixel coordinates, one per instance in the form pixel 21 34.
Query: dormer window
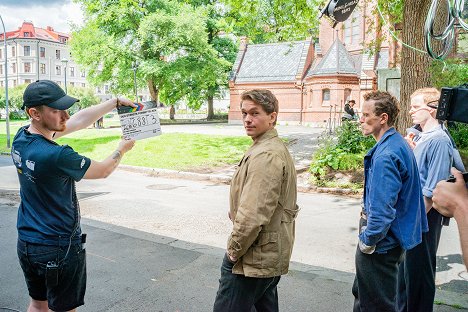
pixel 27 34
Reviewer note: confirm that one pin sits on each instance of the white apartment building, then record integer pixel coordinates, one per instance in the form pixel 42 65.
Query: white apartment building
pixel 36 53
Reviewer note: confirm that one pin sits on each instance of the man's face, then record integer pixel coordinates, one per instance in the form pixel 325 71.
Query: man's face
pixel 420 112
pixel 256 120
pixel 370 123
pixel 53 119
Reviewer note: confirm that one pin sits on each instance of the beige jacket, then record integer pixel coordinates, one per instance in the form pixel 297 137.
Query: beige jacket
pixel 263 208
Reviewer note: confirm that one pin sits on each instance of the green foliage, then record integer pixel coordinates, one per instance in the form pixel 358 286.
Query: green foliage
pixel 451 74
pixel 15 100
pixel 169 39
pixel 344 151
pixel 459 132
pixel 273 20
pixel 86 96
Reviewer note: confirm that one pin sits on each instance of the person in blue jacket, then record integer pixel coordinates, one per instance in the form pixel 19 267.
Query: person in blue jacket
pixel 393 215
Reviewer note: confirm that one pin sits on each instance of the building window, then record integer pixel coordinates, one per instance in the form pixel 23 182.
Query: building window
pixel 83 85
pixel 63 39
pixel 58 70
pixel 72 71
pixel 43 68
pixel 1 69
pixel 98 90
pixel 26 34
pixel 57 54
pixel 13 68
pixel 27 51
pixel 106 89
pixel 352 28
pixel 72 84
pixel 13 51
pixel 27 67
pixel 14 83
pixel 1 83
pixel 83 73
pixel 28 81
pixel 42 52
pixel 347 95
pixel 325 95
pixel 1 53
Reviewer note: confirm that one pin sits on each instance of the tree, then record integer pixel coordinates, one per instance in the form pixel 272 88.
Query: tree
pixel 273 20
pixel 86 96
pixel 15 100
pixel 167 39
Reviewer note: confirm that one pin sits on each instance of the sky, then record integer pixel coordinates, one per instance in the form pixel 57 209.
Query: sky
pixel 43 13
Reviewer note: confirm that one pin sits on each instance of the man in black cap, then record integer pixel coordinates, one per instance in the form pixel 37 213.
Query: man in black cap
pixel 50 242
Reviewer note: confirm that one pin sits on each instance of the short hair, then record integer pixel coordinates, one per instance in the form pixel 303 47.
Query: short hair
pixel 265 98
pixel 352 101
pixel 384 102
pixel 429 94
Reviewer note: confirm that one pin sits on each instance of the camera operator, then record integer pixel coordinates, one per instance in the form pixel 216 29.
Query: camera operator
pixel 451 200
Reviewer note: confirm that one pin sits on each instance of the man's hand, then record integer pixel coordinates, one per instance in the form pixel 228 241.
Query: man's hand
pixel 125 145
pixel 124 102
pixel 231 258
pixel 447 196
pixel 409 138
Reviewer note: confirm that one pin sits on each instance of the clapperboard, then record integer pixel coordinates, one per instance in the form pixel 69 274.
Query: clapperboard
pixel 139 122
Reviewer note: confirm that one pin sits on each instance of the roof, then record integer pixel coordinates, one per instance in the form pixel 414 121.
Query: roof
pixel 35 33
pixel 270 62
pixel 336 61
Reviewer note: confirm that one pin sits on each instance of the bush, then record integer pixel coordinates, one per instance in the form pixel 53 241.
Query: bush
pixel 459 132
pixel 344 151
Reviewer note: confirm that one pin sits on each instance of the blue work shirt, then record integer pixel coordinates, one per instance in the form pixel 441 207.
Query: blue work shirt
pixel 47 173
pixel 393 201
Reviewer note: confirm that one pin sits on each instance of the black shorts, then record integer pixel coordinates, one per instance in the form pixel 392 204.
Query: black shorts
pixel 69 292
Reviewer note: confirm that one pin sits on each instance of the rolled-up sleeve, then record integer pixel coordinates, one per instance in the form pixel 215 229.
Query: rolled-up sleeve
pixel 384 187
pixel 258 201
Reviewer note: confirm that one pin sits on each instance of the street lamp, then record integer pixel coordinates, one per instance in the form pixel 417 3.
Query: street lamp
pixel 6 85
pixel 135 67
pixel 65 62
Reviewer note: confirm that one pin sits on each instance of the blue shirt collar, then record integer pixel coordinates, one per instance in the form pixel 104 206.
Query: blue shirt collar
pixel 384 137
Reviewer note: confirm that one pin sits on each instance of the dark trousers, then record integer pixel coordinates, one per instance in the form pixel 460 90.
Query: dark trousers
pixel 238 293
pixel 375 284
pixel 417 272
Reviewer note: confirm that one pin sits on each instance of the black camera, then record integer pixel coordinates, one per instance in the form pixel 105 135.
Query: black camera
pixel 453 104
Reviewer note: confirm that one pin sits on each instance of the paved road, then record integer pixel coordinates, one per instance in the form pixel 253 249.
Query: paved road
pixel 133 219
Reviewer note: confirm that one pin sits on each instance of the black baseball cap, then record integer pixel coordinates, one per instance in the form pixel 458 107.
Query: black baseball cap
pixel 47 92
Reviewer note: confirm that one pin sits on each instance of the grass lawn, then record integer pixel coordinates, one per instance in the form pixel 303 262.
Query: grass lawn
pixel 178 151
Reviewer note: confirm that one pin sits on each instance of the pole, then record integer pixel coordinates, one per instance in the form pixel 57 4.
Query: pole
pixel 65 63
pixel 6 85
pixel 135 88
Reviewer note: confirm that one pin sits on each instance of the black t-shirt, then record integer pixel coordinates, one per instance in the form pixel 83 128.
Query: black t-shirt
pixel 47 173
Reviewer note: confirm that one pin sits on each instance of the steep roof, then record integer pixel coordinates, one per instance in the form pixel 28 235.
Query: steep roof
pixel 336 61
pixel 36 33
pixel 270 62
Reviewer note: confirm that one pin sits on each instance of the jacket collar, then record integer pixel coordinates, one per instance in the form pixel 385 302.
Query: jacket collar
pixel 266 136
pixel 384 137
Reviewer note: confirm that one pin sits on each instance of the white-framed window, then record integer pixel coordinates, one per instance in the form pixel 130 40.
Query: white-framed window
pixel 27 51
pixel 325 96
pixel 42 52
pixel 13 68
pixel 83 73
pixel 83 85
pixel 352 28
pixel 26 34
pixel 27 67
pixel 43 68
pixel 13 51
pixel 57 54
pixel 72 71
pixel 58 70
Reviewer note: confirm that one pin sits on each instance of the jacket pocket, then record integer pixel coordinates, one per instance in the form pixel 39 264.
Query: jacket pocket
pixel 289 215
pixel 265 251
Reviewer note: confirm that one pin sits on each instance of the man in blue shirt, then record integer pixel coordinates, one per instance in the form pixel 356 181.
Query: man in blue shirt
pixel 50 242
pixel 393 216
pixel 433 150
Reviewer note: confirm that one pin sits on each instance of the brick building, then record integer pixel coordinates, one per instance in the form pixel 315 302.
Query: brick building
pixel 313 79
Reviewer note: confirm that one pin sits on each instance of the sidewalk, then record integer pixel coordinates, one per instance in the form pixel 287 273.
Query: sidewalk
pixel 129 270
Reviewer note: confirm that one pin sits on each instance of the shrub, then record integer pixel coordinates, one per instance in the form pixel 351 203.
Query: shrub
pixel 459 132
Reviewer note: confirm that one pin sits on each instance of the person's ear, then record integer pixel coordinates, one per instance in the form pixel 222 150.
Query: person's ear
pixel 384 118
pixel 273 117
pixel 33 113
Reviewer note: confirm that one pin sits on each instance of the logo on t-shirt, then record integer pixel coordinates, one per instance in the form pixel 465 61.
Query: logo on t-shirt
pixel 16 157
pixel 30 164
pixel 82 163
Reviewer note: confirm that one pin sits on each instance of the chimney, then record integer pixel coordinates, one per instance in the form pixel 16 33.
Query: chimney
pixel 244 41
pixel 49 28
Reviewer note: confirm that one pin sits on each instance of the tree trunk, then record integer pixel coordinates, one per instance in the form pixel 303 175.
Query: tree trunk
pixel 154 91
pixel 172 112
pixel 210 108
pixel 414 65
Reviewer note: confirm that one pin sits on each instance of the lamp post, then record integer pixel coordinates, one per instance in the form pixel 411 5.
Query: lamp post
pixel 6 85
pixel 65 62
pixel 135 67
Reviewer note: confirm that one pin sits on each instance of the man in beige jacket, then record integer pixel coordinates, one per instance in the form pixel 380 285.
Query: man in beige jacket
pixel 262 209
